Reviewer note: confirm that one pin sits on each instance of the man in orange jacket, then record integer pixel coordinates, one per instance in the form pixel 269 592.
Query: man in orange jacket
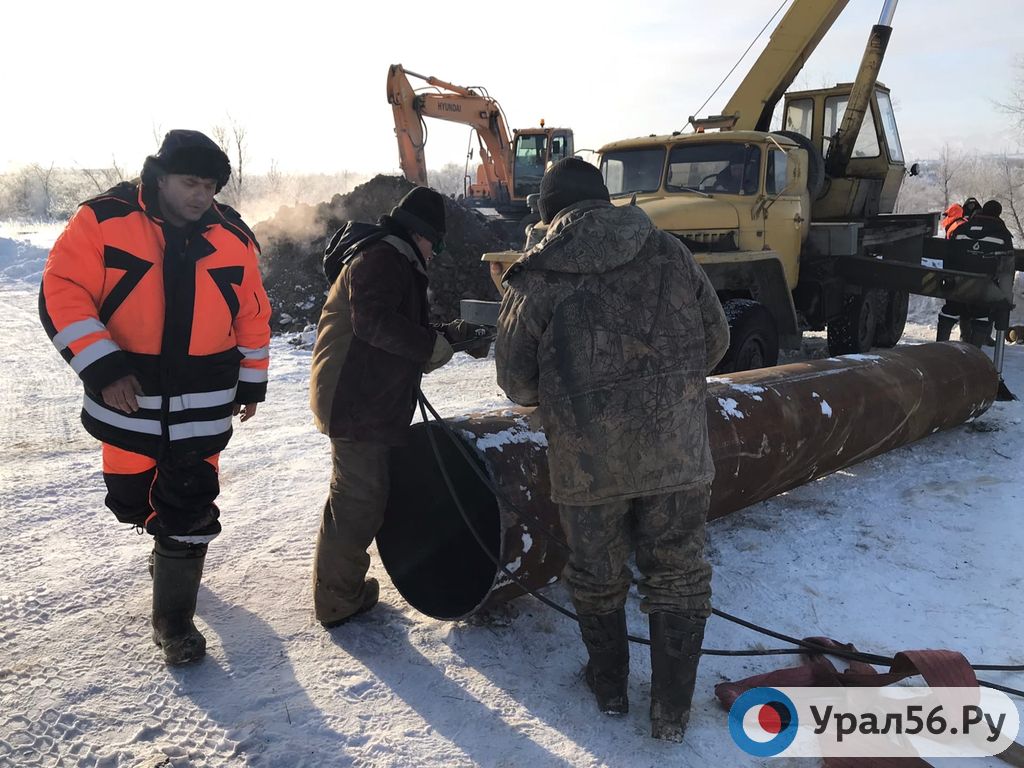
pixel 153 295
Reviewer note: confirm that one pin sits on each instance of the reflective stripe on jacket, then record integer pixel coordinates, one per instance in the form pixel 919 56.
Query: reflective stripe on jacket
pixel 185 313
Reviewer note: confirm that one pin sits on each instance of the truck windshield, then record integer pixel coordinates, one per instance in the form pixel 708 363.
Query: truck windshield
pixel 726 167
pixel 531 150
pixel 633 170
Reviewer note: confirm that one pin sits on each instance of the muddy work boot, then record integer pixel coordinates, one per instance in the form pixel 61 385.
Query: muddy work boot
pixel 607 672
pixel 371 594
pixel 177 571
pixel 675 652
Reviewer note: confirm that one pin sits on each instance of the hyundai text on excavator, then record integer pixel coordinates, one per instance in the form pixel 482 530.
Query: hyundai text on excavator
pixel 510 168
pixel 795 227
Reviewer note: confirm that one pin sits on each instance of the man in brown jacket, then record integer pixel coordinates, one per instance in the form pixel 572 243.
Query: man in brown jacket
pixel 610 327
pixel 373 344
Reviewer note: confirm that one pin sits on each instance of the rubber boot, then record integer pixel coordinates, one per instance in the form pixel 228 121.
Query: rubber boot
pixel 177 571
pixel 944 327
pixel 607 672
pixel 675 653
pixel 983 330
pixel 976 331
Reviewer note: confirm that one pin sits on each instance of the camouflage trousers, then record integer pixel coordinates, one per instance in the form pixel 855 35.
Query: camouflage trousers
pixel 353 514
pixel 667 533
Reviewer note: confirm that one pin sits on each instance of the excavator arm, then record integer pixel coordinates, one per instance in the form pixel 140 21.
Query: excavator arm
pixel 456 104
pixel 792 42
pixel 409 128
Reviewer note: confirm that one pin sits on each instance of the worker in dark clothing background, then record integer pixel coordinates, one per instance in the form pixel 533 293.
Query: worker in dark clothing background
pixel 988 232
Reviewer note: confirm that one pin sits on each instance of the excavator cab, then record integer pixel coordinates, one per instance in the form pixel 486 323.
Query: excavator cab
pixel 876 168
pixel 533 150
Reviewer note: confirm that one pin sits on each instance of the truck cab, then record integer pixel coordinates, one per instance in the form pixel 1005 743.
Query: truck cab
pixel 876 169
pixel 533 151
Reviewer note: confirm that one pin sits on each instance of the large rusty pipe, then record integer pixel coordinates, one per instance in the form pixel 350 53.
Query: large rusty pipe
pixel 770 430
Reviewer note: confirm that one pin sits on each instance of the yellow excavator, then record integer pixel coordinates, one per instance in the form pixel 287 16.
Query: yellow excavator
pixel 510 167
pixel 795 227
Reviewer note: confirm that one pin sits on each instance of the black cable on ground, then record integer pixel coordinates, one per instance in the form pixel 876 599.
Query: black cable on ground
pixel 803 645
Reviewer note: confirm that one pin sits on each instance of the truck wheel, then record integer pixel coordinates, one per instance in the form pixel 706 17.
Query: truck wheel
pixel 753 337
pixel 893 320
pixel 853 331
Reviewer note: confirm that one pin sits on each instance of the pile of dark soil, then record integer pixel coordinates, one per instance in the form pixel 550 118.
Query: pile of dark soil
pixel 294 239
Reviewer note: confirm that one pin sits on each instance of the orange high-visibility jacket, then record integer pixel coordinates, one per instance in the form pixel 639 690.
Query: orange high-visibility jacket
pixel 953 218
pixel 189 319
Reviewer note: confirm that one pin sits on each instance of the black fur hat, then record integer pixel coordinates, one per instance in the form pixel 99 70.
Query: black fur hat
pixel 421 212
pixel 191 153
pixel 992 208
pixel 567 182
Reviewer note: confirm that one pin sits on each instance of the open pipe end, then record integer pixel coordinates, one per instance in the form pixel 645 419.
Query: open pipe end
pixel 428 551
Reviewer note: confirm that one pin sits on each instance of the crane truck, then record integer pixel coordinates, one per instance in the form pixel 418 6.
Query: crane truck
pixel 510 167
pixel 795 227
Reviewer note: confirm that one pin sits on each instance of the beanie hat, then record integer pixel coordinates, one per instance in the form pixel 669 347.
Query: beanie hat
pixel 971 206
pixel 992 208
pixel 189 153
pixel 567 182
pixel 421 212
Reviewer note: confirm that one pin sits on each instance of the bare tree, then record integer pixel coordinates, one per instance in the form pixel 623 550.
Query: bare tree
pixel 105 178
pixel 231 139
pixel 45 177
pixel 18 198
pixel 1011 190
pixel 450 179
pixel 1015 106
pixel 274 178
pixel 950 165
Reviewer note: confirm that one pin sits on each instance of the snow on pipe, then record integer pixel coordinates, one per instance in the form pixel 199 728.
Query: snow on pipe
pixel 771 430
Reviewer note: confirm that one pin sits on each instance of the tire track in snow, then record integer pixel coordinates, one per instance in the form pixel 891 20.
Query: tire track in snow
pixel 39 404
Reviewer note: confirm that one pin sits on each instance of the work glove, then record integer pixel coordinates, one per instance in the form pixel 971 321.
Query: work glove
pixel 442 354
pixel 461 333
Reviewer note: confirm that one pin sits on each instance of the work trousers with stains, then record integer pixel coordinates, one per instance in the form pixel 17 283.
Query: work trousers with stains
pixel 353 514
pixel 667 533
pixel 167 497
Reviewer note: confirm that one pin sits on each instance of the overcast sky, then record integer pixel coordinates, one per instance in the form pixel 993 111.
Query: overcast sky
pixel 83 82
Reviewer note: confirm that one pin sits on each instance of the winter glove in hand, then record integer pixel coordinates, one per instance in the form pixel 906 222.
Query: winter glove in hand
pixel 442 354
pixel 459 332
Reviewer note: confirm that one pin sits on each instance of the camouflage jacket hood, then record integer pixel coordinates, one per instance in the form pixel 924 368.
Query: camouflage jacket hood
pixel 590 237
pixel 610 327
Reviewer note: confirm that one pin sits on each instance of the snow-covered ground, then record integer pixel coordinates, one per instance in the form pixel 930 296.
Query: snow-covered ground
pixel 919 548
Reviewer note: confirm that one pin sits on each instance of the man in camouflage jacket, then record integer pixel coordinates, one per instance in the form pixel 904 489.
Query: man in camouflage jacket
pixel 610 327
